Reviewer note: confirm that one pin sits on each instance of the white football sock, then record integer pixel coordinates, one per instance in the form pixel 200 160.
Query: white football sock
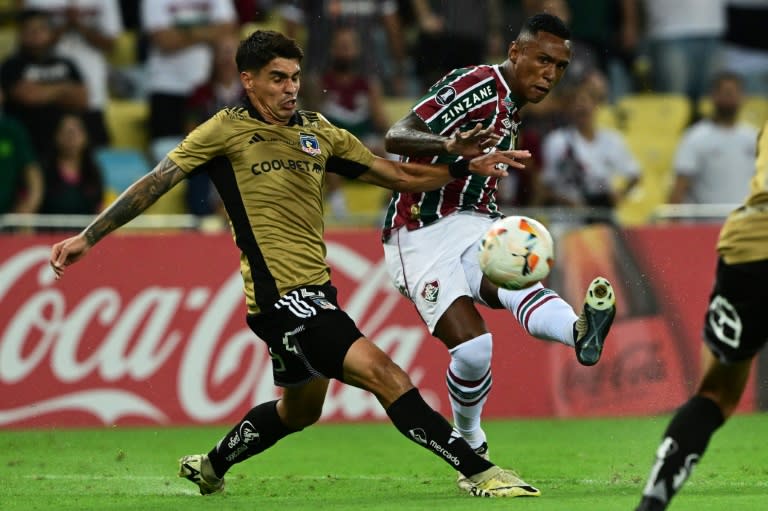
pixel 469 382
pixel 541 312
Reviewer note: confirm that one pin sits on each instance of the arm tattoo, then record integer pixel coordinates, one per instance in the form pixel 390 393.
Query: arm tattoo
pixel 133 201
pixel 412 137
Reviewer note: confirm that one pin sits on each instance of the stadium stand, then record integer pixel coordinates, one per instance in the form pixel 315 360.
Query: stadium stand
pixel 661 114
pixel 655 153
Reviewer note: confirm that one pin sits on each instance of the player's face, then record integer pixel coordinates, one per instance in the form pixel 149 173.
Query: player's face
pixel 727 98
pixel 273 89
pixel 538 65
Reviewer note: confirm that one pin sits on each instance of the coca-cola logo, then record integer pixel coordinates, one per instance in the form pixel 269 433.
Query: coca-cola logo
pixel 631 371
pixel 165 353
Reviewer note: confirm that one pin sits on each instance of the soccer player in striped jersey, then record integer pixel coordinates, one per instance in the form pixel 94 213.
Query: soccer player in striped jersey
pixel 431 238
pixel 268 161
pixel 735 331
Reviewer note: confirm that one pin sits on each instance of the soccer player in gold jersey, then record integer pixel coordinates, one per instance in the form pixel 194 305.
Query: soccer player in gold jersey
pixel 735 330
pixel 268 162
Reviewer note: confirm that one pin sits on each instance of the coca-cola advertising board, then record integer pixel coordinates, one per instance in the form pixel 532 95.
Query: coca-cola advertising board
pixel 150 329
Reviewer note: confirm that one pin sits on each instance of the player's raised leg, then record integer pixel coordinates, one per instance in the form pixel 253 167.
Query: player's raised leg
pixel 545 315
pixel 259 430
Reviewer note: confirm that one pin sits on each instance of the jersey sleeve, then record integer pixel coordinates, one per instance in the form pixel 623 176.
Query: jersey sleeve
pixel 204 143
pixel 346 146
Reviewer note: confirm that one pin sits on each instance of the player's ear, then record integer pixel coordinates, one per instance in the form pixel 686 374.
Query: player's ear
pixel 246 78
pixel 513 51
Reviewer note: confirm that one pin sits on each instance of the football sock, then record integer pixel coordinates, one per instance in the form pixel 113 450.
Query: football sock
pixel 684 442
pixel 421 424
pixel 541 312
pixel 469 381
pixel 259 430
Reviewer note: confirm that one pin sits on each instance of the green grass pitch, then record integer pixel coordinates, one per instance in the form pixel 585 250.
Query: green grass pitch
pixel 596 464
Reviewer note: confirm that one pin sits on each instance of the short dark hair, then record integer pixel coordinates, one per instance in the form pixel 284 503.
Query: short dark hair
pixel 725 76
pixel 262 46
pixel 27 14
pixel 544 22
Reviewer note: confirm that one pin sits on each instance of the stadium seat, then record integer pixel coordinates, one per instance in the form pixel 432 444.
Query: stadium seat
pixel 606 117
pixel 7 42
pixel 655 154
pixel 125 51
pixel 396 107
pixel 754 111
pixel 127 123
pixel 365 202
pixel 121 167
pixel 660 114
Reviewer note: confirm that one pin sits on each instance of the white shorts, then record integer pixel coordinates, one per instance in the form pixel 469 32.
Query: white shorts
pixel 435 265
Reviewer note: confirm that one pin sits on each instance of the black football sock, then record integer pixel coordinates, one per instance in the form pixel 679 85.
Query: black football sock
pixel 259 430
pixel 420 423
pixel 684 443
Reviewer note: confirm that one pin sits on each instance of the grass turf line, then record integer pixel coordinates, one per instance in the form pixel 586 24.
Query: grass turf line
pixel 596 464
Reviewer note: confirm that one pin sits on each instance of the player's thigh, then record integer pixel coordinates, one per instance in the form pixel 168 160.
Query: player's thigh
pixel 367 367
pixel 426 264
pixel 460 323
pixel 735 328
pixel 308 335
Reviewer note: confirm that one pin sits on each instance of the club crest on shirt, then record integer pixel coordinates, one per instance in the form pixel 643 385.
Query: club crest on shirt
pixel 309 144
pixel 445 95
pixel 430 291
pixel 510 105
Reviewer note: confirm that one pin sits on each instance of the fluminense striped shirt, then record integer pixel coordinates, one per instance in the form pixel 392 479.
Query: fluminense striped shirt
pixel 460 100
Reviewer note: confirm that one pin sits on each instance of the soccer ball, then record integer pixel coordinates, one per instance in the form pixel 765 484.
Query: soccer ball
pixel 516 252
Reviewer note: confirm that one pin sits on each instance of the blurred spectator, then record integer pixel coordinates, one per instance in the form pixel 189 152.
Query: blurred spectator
pixel 21 181
pixel 715 158
pixel 73 183
pixel 454 34
pixel 222 90
pixel 253 10
pixel 353 101
pixel 320 18
pixel 39 85
pixel 746 45
pixel 86 31
pixel 181 33
pixel 581 161
pixel 683 38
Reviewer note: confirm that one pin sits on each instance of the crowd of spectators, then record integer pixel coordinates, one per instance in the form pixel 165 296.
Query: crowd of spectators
pixel 58 77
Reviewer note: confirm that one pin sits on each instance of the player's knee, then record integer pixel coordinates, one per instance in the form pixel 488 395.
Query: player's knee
pixel 474 355
pixel 386 379
pixel 298 418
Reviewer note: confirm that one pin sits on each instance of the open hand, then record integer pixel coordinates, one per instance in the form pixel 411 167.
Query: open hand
pixel 473 142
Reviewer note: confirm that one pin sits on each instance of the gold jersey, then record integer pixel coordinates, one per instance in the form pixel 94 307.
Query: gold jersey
pixel 270 178
pixel 744 237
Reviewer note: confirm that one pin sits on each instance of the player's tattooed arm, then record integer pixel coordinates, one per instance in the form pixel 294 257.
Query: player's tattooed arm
pixel 136 199
pixel 411 136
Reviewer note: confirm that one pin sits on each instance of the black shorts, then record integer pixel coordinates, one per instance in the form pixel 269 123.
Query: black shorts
pixel 308 335
pixel 735 327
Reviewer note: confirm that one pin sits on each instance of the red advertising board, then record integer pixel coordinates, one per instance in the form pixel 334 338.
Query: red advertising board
pixel 149 329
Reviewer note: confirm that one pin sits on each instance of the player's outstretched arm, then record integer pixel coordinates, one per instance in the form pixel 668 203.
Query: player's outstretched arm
pixel 422 177
pixel 410 136
pixel 130 204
